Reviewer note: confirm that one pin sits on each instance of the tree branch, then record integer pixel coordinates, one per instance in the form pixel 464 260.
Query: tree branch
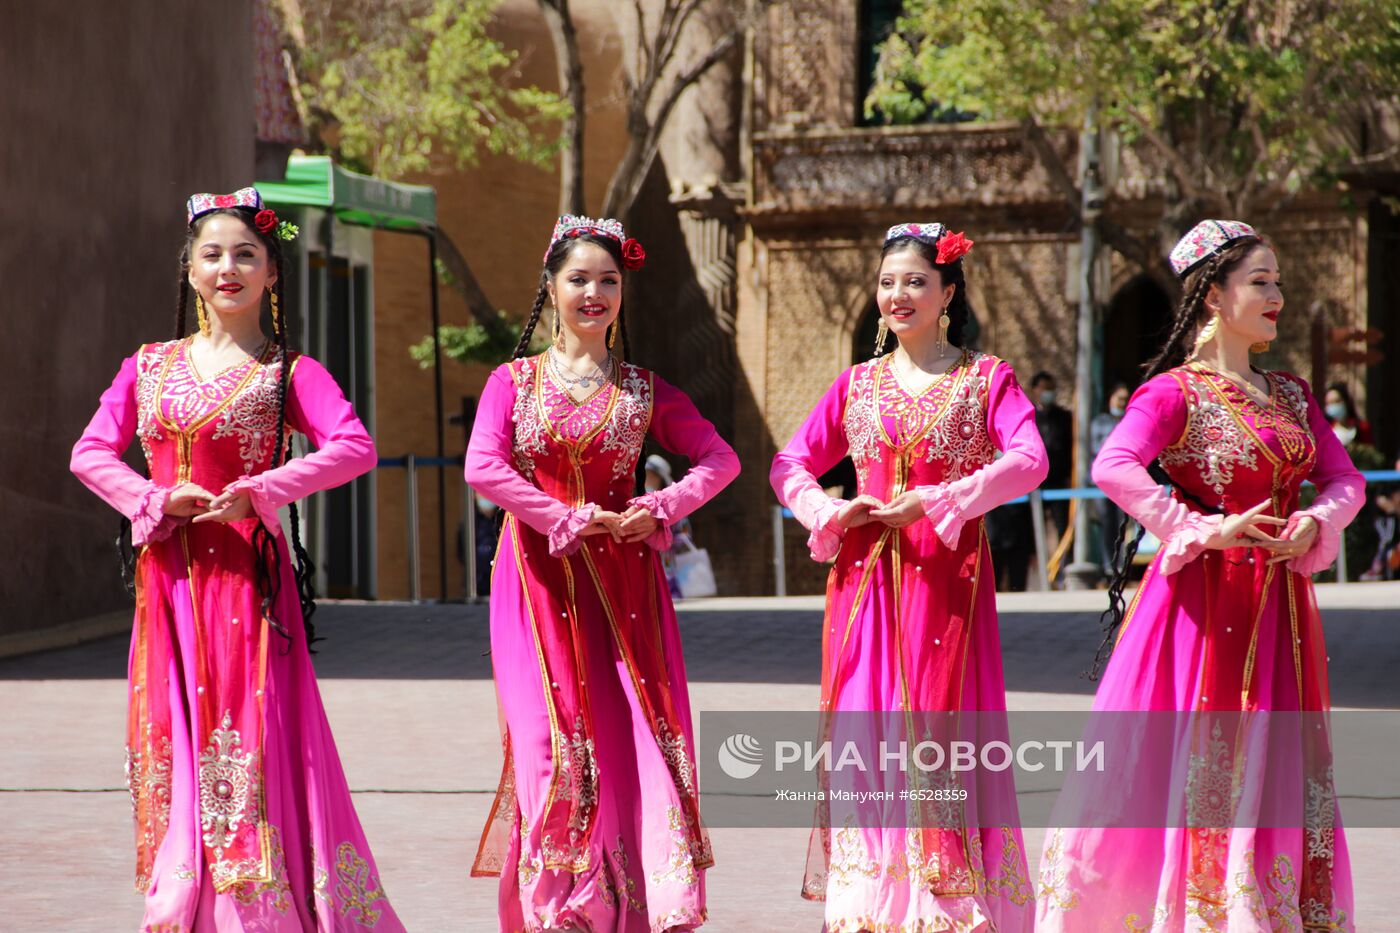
pixel 631 172
pixel 562 33
pixel 669 40
pixel 1181 172
pixel 1044 150
pixel 463 280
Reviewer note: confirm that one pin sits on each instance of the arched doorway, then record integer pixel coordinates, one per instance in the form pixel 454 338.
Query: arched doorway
pixel 1138 320
pixel 863 339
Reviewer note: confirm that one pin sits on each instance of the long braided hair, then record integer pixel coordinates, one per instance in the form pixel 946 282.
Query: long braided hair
pixel 949 273
pixel 552 264
pixel 267 555
pixel 1191 315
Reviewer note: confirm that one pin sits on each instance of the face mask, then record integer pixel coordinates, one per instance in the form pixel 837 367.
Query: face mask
pixel 1344 434
pixel 1116 410
pixel 1047 397
pixel 1336 410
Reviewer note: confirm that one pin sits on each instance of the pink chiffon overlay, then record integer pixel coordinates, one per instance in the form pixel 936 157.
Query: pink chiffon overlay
pixel 1214 632
pixel 596 824
pixel 243 816
pixel 911 625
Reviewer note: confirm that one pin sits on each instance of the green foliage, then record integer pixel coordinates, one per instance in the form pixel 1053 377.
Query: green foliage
pixel 408 81
pixel 477 343
pixel 1232 94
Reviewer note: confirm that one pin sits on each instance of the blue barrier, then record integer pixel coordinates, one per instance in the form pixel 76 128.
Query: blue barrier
pixel 401 462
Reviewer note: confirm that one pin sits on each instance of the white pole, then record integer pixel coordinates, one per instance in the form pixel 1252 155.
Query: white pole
pixel 779 554
pixel 1038 524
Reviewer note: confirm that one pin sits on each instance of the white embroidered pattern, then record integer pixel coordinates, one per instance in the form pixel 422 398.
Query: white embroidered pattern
pixel 149 364
pixel 251 417
pixel 529 429
pixel 631 417
pixel 228 798
pixel 861 420
pixel 1319 818
pixel 960 438
pixel 673 750
pixel 1213 442
pixel 580 767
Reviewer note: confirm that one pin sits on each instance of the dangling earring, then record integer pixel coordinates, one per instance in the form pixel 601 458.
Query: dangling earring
pixel 944 322
pixel 1206 333
pixel 199 310
pixel 881 333
pixel 612 335
pixel 557 334
pixel 272 299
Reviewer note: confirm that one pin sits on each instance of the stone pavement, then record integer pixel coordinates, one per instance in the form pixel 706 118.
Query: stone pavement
pixel 409 695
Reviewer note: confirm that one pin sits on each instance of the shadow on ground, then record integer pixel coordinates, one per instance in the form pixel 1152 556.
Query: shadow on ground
pixel 1043 652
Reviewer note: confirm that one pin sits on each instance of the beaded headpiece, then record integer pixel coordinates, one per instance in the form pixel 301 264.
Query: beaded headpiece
pixel 951 246
pixel 572 225
pixel 1205 240
pixel 248 198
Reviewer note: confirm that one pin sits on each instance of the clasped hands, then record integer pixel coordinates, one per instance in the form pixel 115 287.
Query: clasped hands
pixel 636 524
pixel 904 509
pixel 198 504
pixel 1298 534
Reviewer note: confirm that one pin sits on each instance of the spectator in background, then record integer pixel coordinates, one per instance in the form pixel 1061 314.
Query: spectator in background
pixel 1057 432
pixel 488 531
pixel 1011 537
pixel 658 476
pixel 1342 415
pixel 1110 516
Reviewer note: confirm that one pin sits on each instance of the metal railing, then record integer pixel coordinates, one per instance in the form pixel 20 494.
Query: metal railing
pixel 410 464
pixel 1037 498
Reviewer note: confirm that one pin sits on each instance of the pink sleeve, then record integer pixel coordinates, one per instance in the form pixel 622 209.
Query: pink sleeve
pixel 816 447
pixel 1021 467
pixel 1155 418
pixel 316 408
pixel 97 462
pixel 679 427
pixel 1341 492
pixel 491 472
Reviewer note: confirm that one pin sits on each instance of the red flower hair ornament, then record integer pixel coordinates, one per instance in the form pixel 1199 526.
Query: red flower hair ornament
pixel 265 220
pixel 953 247
pixel 633 256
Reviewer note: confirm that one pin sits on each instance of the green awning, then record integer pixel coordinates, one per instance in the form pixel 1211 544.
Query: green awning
pixel 316 181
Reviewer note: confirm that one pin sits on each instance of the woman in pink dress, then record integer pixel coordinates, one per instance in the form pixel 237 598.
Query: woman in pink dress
pixel 596 824
pixel 939 436
pixel 243 817
pixel 1245 833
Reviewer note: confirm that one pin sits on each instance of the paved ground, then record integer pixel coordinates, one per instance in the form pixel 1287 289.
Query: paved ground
pixel 408 692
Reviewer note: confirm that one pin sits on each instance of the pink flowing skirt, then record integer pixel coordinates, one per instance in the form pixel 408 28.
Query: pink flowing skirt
pixel 640 876
pixel 867 884
pixel 1242 873
pixel 323 876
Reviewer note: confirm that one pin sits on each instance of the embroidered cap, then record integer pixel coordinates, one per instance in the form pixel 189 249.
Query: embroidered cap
pixel 1205 240
pixel 204 203
pixel 929 232
pixel 951 246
